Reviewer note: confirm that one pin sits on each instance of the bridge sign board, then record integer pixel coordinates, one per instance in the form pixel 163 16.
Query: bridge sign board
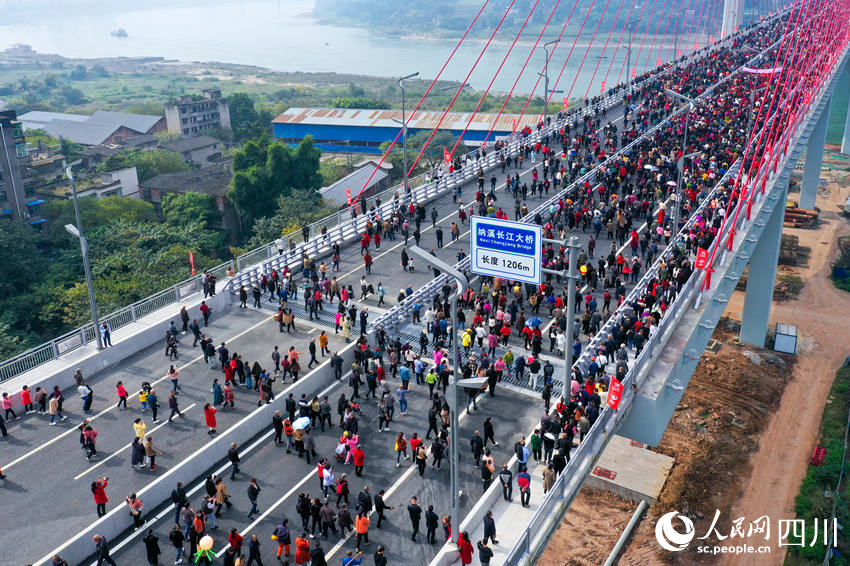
pixel 502 248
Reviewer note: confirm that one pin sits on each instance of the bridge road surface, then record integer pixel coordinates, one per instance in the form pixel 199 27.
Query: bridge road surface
pixel 280 502
pixel 282 476
pixel 48 476
pixel 178 439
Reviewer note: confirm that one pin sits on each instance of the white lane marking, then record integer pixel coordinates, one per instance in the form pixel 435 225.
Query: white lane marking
pixel 115 407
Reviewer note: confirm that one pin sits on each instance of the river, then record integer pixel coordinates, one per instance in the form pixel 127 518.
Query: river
pixel 283 36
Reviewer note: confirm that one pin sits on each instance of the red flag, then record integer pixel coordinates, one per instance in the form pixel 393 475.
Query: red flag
pixel 192 261
pixel 615 393
pixel 702 258
pixel 446 155
pixel 513 125
pixel 348 196
pixel 566 103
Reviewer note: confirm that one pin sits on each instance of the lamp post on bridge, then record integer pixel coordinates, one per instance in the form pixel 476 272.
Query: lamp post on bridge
pixel 454 454
pixel 404 128
pixel 84 249
pixel 629 54
pixel 573 246
pixel 692 106
pixel 545 75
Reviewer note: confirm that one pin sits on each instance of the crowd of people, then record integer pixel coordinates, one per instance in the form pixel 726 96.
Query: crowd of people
pixel 497 338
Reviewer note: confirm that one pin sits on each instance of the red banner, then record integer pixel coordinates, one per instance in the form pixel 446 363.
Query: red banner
pixel 702 258
pixel 192 261
pixel 513 125
pixel 615 393
pixel 348 197
pixel 447 156
pixel 566 104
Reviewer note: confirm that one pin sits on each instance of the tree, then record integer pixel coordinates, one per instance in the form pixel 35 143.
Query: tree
pixel 434 153
pixel 95 213
pixel 10 344
pixel 293 212
pixel 247 120
pixel 72 95
pixel 148 164
pixel 24 256
pixel 189 208
pixel 359 102
pixel 266 170
pixel 100 71
pixel 79 73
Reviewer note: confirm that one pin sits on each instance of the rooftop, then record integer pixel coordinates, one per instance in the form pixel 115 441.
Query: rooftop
pixel 191 144
pixel 423 120
pixel 86 133
pixel 213 180
pixel 36 119
pixel 138 122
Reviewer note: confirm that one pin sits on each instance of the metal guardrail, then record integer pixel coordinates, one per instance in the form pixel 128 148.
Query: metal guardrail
pixel 250 266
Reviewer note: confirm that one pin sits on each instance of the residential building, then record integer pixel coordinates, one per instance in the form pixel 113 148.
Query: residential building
pixel 122 182
pixel 350 186
pixel 197 150
pixel 47 167
pixel 17 191
pixel 349 129
pixel 102 127
pixel 193 115
pixel 213 180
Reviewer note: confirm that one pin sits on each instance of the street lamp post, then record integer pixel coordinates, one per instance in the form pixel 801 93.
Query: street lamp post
pixel 545 75
pixel 454 452
pixel 692 107
pixel 572 277
pixel 404 128
pixel 629 55
pixel 84 248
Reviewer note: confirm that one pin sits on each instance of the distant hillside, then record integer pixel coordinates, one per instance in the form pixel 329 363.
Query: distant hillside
pixel 443 18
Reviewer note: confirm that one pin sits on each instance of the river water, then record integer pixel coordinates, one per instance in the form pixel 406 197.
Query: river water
pixel 282 35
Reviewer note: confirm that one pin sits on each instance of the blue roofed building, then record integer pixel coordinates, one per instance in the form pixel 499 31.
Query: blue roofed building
pixel 350 129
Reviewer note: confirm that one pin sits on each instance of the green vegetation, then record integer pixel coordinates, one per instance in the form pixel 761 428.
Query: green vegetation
pixel 133 254
pixel 359 102
pixel 819 489
pixel 293 211
pixel 148 164
pixel 265 170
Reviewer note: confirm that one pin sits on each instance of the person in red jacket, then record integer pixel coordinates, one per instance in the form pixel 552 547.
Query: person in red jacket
pixel 359 458
pixel 465 548
pixel 209 417
pixel 26 399
pixel 98 490
pixel 235 540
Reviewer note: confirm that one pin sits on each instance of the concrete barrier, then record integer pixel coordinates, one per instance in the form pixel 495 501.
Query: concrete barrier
pixel 127 341
pixel 118 520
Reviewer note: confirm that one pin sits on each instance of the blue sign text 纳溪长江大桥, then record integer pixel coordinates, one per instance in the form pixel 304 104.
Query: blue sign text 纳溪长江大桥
pixel 509 239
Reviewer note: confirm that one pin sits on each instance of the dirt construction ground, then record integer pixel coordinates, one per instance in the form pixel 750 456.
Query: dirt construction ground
pixel 743 432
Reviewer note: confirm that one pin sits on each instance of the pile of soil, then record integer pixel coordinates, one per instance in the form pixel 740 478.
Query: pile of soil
pixel 712 435
pixel 788 282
